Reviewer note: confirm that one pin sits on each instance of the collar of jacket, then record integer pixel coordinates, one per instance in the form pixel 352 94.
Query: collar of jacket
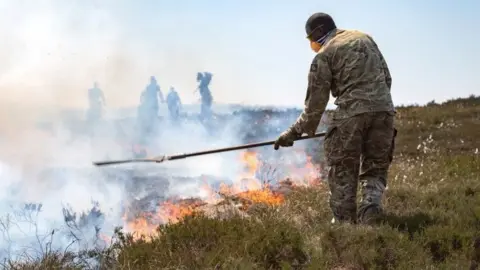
pixel 328 36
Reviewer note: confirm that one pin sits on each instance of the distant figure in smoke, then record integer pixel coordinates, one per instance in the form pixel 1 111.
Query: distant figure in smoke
pixel 148 110
pixel 205 94
pixel 96 103
pixel 174 103
pixel 150 96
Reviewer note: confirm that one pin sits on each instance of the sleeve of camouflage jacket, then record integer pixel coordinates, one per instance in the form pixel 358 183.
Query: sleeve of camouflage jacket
pixel 318 94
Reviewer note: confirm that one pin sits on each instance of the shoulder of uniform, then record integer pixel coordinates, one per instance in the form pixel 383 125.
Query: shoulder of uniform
pixel 353 31
pixel 346 37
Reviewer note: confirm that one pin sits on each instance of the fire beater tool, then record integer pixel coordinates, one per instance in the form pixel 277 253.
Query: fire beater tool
pixel 160 159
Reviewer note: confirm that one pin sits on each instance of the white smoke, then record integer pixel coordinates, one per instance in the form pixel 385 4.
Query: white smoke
pixel 51 53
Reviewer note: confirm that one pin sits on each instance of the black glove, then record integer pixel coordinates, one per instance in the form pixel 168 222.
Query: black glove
pixel 286 139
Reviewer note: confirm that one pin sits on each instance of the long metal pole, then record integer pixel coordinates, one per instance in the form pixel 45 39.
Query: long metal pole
pixel 160 159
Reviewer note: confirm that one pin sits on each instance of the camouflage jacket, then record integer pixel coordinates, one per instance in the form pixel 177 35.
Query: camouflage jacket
pixel 351 67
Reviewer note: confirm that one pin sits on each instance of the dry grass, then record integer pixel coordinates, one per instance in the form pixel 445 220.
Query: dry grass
pixel 433 221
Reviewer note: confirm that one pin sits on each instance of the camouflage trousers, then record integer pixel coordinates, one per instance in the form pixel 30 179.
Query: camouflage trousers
pixel 358 149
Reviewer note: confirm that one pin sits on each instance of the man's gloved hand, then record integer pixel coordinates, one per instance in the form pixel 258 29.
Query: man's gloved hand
pixel 287 138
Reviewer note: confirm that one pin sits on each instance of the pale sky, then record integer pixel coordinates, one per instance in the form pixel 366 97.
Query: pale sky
pixel 52 51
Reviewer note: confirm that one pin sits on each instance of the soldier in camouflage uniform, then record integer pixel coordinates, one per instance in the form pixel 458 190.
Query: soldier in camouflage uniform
pixel 360 137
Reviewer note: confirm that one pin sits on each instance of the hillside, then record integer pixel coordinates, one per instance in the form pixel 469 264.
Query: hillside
pixel 432 221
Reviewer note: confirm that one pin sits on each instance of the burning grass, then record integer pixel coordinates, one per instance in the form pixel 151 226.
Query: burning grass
pixel 237 198
pixel 432 221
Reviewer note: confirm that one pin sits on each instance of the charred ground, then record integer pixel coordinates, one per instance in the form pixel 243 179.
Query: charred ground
pixel 433 221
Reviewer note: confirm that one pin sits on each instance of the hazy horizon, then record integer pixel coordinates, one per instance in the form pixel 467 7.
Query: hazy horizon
pixel 54 50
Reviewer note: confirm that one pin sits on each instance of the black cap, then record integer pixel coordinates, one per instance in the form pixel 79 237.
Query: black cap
pixel 318 25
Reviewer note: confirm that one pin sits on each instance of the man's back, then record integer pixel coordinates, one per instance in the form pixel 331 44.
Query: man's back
pixel 95 95
pixel 172 97
pixel 152 91
pixel 361 80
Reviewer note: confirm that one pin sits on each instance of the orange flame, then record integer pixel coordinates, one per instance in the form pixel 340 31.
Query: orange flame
pixel 251 161
pixel 246 189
